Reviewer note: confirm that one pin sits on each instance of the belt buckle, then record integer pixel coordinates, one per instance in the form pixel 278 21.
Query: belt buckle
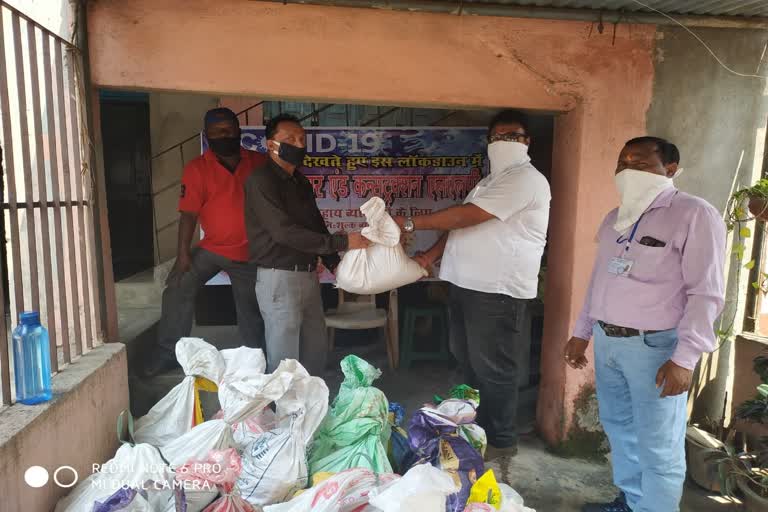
pixel 614 331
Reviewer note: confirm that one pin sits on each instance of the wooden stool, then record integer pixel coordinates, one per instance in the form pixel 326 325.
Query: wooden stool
pixel 438 313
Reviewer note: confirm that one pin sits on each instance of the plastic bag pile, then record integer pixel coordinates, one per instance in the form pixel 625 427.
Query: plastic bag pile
pixel 356 431
pixel 383 266
pixel 276 446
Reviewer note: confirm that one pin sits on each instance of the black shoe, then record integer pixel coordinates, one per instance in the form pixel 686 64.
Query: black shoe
pixel 158 365
pixel 617 505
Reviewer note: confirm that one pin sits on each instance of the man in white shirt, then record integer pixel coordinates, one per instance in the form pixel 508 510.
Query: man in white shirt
pixel 491 255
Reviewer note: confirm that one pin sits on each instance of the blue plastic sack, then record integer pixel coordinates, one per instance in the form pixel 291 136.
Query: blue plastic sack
pixel 435 439
pixel 399 449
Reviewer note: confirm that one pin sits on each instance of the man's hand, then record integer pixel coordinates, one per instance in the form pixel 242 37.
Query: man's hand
pixel 182 265
pixel 357 241
pixel 574 353
pixel 424 260
pixel 675 379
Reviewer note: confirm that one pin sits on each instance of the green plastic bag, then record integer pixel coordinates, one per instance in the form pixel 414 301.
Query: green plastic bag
pixel 472 432
pixel 461 392
pixel 356 431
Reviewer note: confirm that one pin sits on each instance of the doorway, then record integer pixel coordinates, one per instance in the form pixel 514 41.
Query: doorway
pixel 125 135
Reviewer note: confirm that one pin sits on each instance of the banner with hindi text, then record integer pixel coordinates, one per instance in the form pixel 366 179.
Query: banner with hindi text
pixel 415 170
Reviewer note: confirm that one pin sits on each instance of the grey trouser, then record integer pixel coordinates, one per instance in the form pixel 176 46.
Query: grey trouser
pixel 487 339
pixel 179 300
pixel 294 321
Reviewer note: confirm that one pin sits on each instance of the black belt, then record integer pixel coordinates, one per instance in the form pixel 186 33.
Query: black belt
pixel 309 267
pixel 616 331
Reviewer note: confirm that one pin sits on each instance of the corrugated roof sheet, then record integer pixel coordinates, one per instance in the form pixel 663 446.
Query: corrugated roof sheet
pixel 744 8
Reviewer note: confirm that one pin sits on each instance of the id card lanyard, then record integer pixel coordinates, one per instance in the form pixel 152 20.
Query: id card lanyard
pixel 628 240
pixel 621 266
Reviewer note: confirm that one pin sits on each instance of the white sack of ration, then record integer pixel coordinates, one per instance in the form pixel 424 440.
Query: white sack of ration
pixel 382 266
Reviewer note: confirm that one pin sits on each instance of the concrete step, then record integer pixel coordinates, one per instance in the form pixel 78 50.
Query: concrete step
pixel 139 291
pixel 132 322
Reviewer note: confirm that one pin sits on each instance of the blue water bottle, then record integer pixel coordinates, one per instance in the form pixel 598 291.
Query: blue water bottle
pixel 31 360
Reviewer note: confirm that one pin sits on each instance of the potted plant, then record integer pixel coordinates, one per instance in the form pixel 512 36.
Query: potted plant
pixel 704 448
pixel 747 471
pixel 754 198
pixel 755 411
pixel 705 445
pixel 746 474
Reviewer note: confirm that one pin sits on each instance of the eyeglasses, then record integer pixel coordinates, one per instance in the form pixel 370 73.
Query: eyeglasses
pixel 507 137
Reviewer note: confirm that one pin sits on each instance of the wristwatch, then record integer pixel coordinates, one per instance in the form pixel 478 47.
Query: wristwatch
pixel 409 226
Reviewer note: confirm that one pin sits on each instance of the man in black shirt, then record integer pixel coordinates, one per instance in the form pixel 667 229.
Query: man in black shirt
pixel 286 234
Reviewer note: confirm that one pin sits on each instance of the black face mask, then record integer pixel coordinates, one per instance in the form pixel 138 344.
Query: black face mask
pixel 294 155
pixel 225 146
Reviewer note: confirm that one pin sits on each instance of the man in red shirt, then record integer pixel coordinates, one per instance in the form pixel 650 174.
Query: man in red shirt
pixel 212 193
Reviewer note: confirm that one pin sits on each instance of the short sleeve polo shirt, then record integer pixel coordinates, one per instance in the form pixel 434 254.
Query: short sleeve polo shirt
pixel 216 195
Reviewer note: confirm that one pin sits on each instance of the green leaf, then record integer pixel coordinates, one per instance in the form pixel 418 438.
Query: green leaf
pixel 756 285
pixel 738 250
pixel 750 265
pixel 745 232
pixel 723 333
pixel 740 212
pixel 763 390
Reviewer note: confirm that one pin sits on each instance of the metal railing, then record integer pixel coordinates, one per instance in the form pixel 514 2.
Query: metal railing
pixel 47 262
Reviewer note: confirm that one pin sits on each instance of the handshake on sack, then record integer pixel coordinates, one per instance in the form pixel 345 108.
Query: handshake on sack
pixel 359 241
pixel 383 264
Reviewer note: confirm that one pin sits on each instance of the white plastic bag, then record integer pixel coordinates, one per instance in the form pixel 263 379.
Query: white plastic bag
pixel 132 466
pixel 423 488
pixel 511 501
pixel 384 265
pixel 238 403
pixel 347 491
pixel 242 363
pixel 275 463
pixel 174 414
pixel 218 472
pixel 246 431
pixel 154 497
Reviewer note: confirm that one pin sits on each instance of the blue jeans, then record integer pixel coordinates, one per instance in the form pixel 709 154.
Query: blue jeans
pixel 646 432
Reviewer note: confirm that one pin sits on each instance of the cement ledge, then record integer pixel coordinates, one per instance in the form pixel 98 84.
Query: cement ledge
pixel 750 336
pixel 16 418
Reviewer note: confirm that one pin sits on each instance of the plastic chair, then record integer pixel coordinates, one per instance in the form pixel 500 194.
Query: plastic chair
pixel 360 313
pixel 439 316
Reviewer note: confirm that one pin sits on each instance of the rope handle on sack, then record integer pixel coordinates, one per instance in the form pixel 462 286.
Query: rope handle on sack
pixel 370 462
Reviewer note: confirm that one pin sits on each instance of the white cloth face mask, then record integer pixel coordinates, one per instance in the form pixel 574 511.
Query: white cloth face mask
pixel 504 154
pixel 637 190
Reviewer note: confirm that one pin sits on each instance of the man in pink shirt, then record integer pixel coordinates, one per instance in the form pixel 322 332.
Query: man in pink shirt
pixel 657 288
